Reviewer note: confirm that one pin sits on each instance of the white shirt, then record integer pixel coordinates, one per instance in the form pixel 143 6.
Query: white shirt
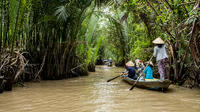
pixel 160 53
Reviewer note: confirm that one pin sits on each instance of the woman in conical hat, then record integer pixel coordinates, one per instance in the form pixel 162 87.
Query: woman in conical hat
pixel 130 68
pixel 161 56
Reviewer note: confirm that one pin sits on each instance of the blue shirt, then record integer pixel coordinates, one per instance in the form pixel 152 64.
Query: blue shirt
pixel 149 72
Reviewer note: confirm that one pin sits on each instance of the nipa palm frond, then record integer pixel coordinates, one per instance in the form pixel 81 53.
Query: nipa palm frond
pixel 62 13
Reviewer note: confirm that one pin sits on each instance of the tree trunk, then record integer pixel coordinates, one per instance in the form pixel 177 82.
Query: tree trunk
pixel 8 24
pixel 16 25
pixel 1 26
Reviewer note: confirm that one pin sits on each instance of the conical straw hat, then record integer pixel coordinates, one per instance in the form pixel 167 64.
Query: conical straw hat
pixel 130 63
pixel 158 41
pixel 149 63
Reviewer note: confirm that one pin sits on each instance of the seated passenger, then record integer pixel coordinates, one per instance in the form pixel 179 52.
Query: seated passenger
pixel 131 70
pixel 139 66
pixel 149 71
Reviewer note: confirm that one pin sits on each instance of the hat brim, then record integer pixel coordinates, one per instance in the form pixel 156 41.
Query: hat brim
pixel 158 41
pixel 130 63
pixel 149 63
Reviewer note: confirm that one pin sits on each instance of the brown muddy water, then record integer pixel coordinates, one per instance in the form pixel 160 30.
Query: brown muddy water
pixel 93 94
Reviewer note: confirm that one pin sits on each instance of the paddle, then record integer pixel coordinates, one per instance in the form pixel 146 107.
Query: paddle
pixel 140 75
pixel 115 77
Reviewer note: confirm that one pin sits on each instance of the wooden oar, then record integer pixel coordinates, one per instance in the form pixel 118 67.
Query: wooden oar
pixel 140 75
pixel 115 77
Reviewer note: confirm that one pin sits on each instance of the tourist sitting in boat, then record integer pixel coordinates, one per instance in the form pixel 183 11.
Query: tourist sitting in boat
pixel 149 70
pixel 139 66
pixel 130 70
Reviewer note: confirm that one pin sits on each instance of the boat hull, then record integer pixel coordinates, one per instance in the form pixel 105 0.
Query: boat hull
pixel 150 84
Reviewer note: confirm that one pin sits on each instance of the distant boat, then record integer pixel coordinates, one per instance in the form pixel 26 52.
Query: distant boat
pixel 105 60
pixel 154 84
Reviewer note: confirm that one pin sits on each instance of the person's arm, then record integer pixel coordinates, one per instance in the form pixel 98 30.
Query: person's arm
pixel 125 72
pixel 155 52
pixel 145 71
pixel 165 46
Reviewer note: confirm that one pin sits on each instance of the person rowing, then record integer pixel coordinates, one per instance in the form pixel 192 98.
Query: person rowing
pixel 130 70
pixel 161 56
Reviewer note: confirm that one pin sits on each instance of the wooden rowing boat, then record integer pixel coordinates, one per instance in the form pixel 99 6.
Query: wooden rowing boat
pixel 148 83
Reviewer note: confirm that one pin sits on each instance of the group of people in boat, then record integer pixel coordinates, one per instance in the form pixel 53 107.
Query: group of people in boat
pixel 133 70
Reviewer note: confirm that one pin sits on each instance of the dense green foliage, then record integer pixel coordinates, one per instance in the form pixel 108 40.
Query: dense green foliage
pixel 132 25
pixel 67 34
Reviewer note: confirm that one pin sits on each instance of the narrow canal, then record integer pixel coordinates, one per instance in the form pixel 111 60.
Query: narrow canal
pixel 93 94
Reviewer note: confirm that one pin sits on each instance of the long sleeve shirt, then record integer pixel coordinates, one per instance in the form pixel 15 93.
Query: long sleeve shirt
pixel 131 72
pixel 160 53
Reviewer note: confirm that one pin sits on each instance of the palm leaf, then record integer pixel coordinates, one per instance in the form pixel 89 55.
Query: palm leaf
pixel 62 13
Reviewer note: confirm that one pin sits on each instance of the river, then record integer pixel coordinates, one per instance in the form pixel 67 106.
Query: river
pixel 93 94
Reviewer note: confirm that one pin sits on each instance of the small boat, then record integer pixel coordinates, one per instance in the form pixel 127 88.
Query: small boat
pixel 154 84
